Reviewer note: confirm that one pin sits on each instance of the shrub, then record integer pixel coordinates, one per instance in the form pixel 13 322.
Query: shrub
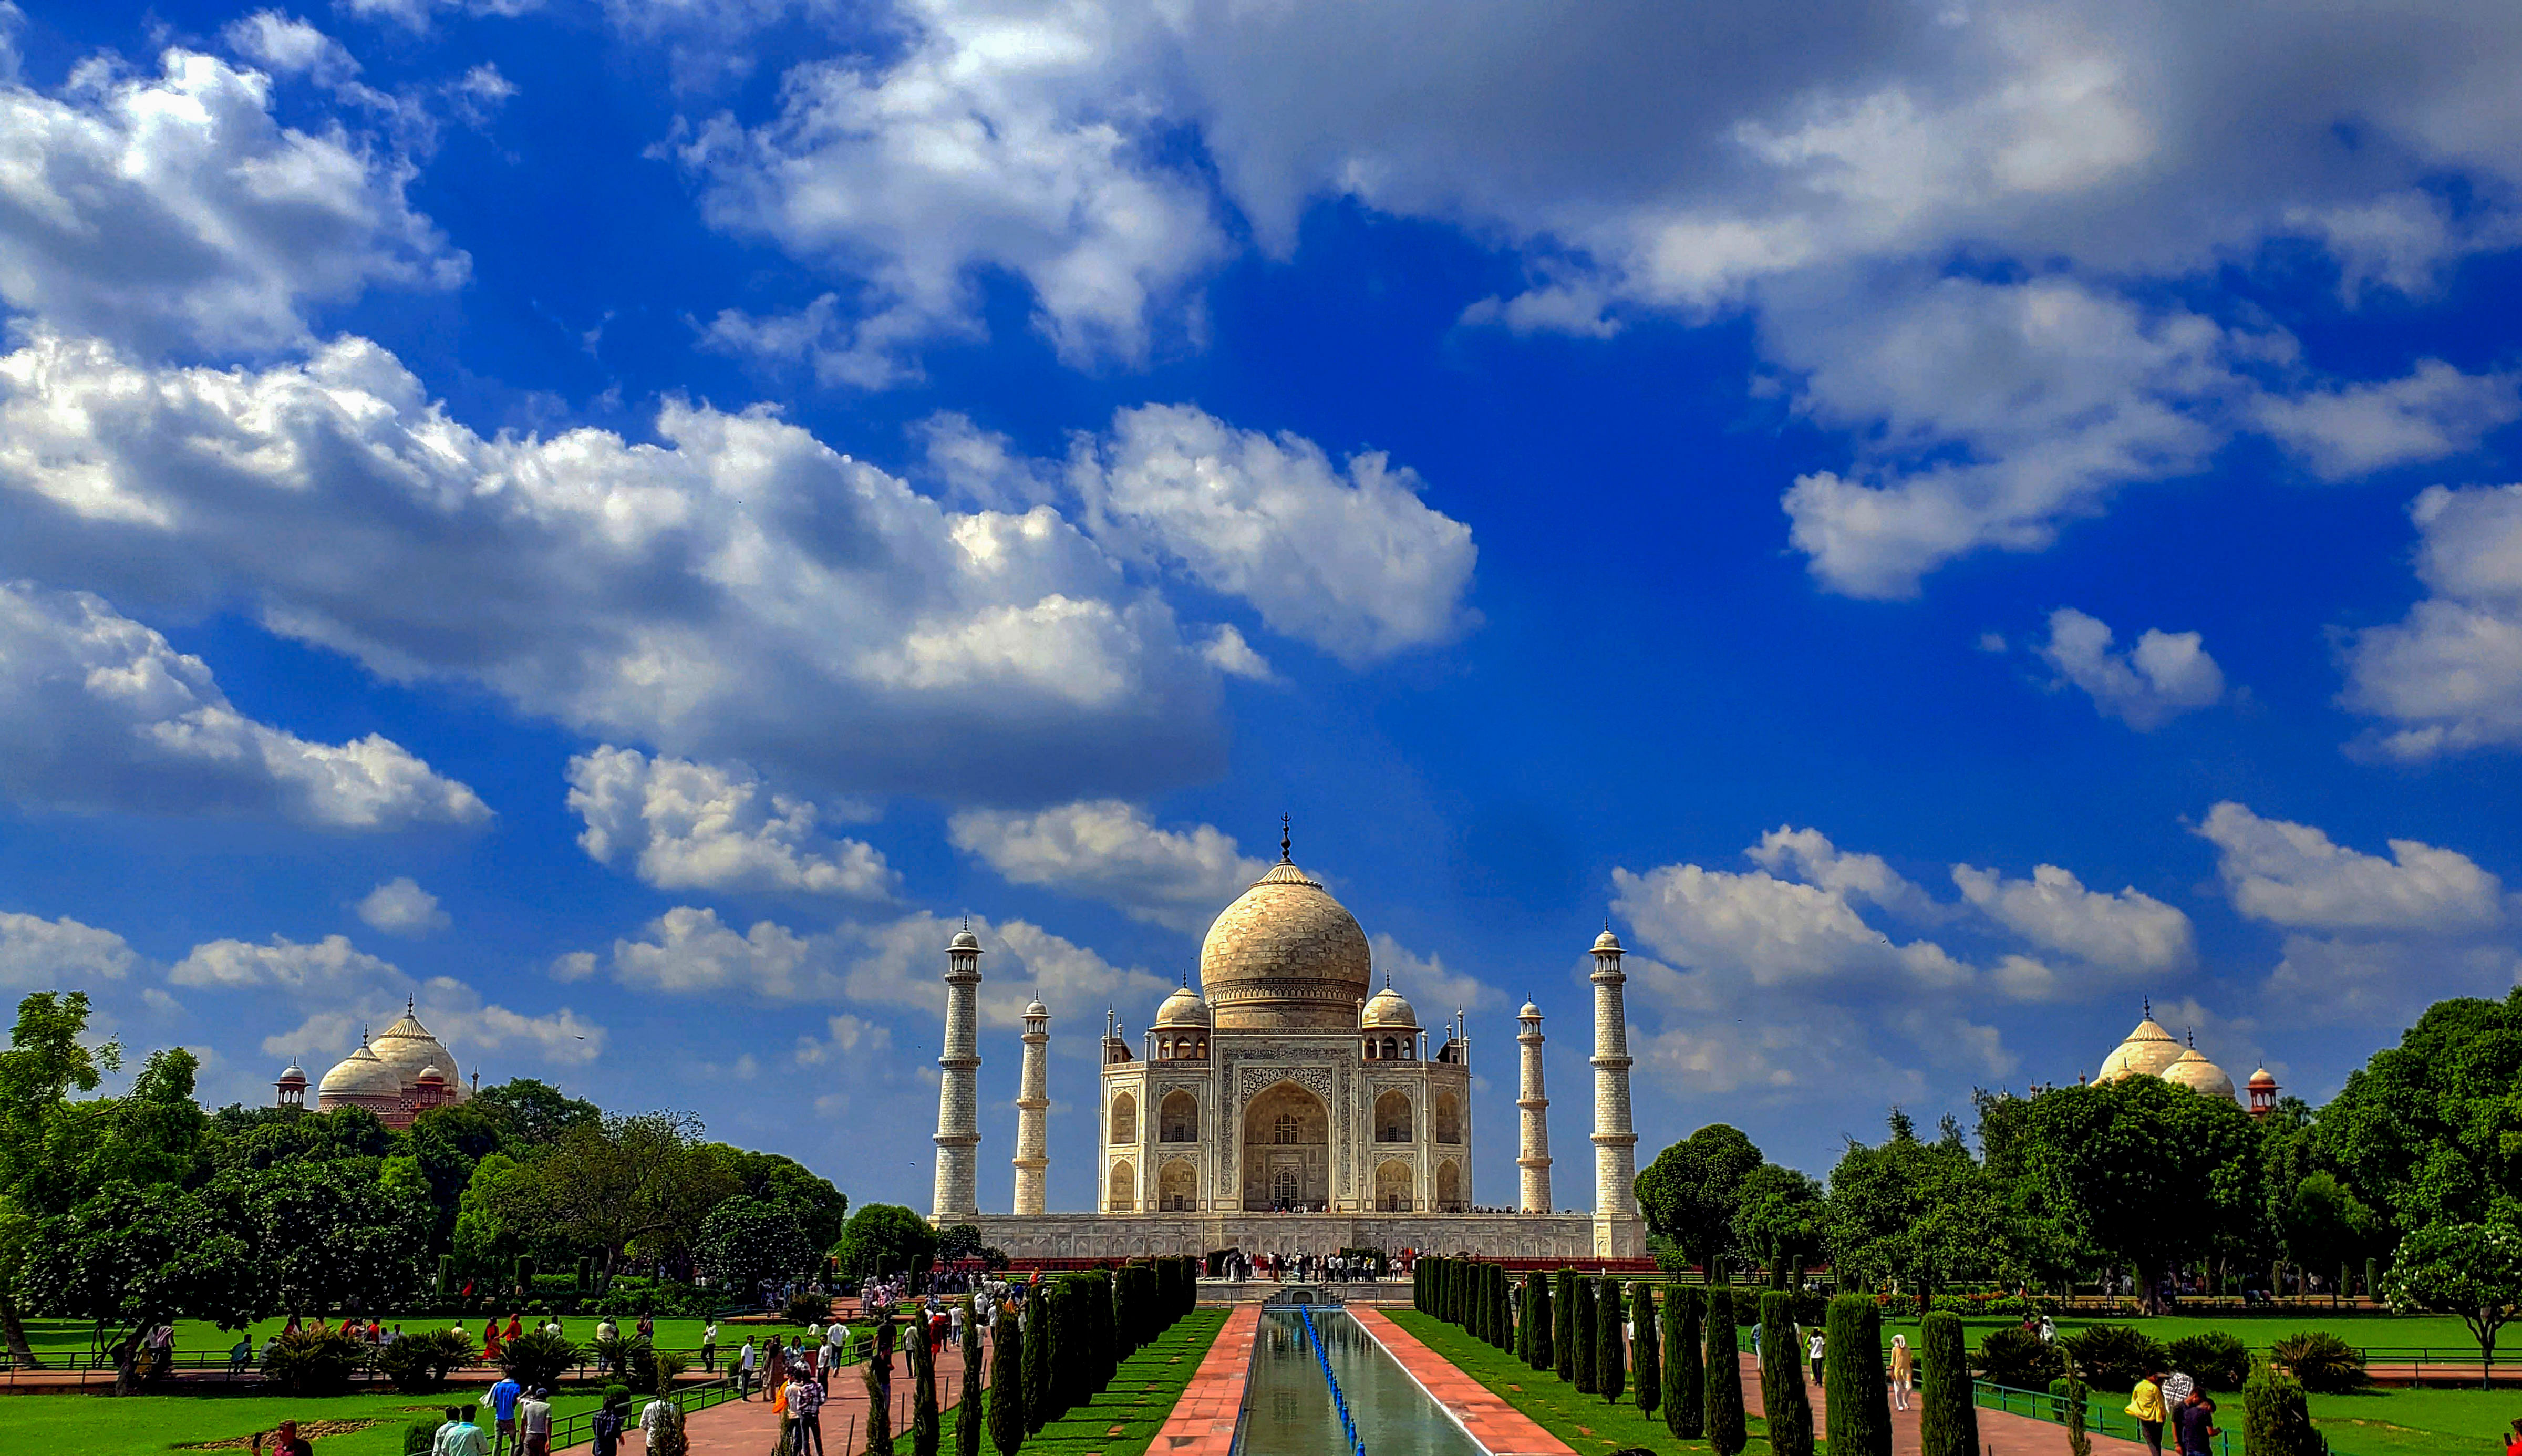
pixel 1583 1335
pixel 632 1360
pixel 1856 1405
pixel 1007 1385
pixel 2320 1362
pixel 420 1437
pixel 538 1357
pixel 1784 1402
pixel 1562 1325
pixel 2276 1421
pixel 2217 1360
pixel 1947 1416
pixel 312 1362
pixel 669 1439
pixel 2024 1361
pixel 1646 1348
pixel 1611 1357
pixel 418 1364
pixel 806 1309
pixel 1685 1380
pixel 1725 1434
pixel 2114 1357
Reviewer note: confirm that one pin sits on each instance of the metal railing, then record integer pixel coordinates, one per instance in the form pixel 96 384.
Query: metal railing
pixel 580 1428
pixel 2099 1418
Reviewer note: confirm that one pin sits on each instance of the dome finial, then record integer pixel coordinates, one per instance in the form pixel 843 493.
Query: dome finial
pixel 2148 1004
pixel 410 1004
pixel 1287 838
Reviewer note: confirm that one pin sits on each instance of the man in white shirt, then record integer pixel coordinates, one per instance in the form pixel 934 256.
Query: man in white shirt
pixel 745 1371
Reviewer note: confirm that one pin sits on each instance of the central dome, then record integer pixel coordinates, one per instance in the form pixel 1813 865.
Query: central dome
pixel 1284 955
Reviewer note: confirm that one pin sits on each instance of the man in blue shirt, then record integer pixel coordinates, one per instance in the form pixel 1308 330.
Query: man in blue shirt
pixel 504 1410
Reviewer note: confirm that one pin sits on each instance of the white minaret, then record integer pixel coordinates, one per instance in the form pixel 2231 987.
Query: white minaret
pixel 1033 1101
pixel 958 1111
pixel 1535 1159
pixel 1616 1146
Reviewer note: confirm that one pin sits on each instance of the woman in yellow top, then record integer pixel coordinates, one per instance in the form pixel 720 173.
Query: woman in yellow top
pixel 1903 1369
pixel 2145 1402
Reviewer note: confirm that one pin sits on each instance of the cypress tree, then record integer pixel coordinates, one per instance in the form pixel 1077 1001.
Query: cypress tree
pixel 1859 1409
pixel 1037 1356
pixel 1610 1351
pixel 1685 1380
pixel 2275 1420
pixel 1006 1385
pixel 923 1395
pixel 1724 1377
pixel 1783 1401
pixel 1948 1417
pixel 968 1399
pixel 1523 1321
pixel 1419 1286
pixel 1646 1353
pixel 1563 1349
pixel 1582 1334
pixel 1501 1299
pixel 1537 1352
pixel 879 1387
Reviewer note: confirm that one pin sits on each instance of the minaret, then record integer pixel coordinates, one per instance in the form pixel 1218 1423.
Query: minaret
pixel 1616 1146
pixel 1535 1159
pixel 958 1111
pixel 1033 1101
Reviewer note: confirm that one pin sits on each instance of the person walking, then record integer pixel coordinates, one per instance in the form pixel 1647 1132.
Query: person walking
pixel 805 1408
pixel 744 1370
pixel 460 1437
pixel 709 1347
pixel 606 1426
pixel 655 1416
pixel 503 1413
pixel 534 1421
pixel 1813 1352
pixel 1904 1370
pixel 2145 1403
pixel 2196 1424
pixel 285 1442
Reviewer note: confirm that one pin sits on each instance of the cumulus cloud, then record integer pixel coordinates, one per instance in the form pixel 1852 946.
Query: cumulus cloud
pixel 1433 990
pixel 1348 559
pixel 2449 673
pixel 688 826
pixel 2343 431
pixel 1772 931
pixel 2128 933
pixel 98 712
pixel 1809 855
pixel 2164 674
pixel 401 907
pixel 40 955
pixel 338 989
pixel 2292 874
pixel 1109 850
pixel 173 209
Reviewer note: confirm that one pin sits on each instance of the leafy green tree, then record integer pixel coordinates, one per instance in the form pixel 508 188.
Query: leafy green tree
pixel 746 1240
pixel 1584 1336
pixel 1685 1378
pixel 1784 1403
pixel 129 1258
pixel 47 1061
pixel 885 1236
pixel 1646 1348
pixel 820 1209
pixel 1692 1190
pixel 2472 1270
pixel 2429 1130
pixel 636 1185
pixel 536 1113
pixel 2323 1225
pixel 1947 1414
pixel 1857 1406
pixel 1726 1432
pixel 1779 1219
pixel 1008 1420
pixel 1911 1209
pixel 2152 1173
pixel 1610 1351
pixel 326 1237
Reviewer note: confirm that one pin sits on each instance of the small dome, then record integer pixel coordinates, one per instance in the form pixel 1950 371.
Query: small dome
pixel 1036 1009
pixel 1387 1009
pixel 964 940
pixel 2199 1075
pixel 1183 1008
pixel 1530 1013
pixel 361 1074
pixel 2145 1053
pixel 1606 941
pixel 292 1075
pixel 431 1076
pixel 2264 1080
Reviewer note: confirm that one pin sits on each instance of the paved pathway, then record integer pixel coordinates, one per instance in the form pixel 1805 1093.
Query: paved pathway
pixel 747 1428
pixel 1203 1423
pixel 1497 1426
pixel 1999 1433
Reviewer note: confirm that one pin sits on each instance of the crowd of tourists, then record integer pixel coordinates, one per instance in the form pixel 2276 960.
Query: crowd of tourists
pixel 1312 1268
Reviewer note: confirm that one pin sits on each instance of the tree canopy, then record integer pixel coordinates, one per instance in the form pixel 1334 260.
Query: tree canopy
pixel 1690 1193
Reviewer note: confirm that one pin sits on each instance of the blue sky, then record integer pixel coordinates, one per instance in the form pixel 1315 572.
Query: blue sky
pixel 626 522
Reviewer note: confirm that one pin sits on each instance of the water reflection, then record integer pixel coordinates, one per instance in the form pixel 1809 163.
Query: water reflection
pixel 1291 1412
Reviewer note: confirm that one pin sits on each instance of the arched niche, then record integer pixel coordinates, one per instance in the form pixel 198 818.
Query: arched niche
pixel 1125 1119
pixel 1449 1118
pixel 1392 1118
pixel 1286 1150
pixel 1177 1117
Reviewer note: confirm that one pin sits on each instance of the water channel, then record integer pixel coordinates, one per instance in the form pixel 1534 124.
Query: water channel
pixel 1289 1408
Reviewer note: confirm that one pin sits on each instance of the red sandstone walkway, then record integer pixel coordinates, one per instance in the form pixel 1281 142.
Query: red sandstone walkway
pixel 2000 1432
pixel 747 1428
pixel 1497 1426
pixel 1203 1423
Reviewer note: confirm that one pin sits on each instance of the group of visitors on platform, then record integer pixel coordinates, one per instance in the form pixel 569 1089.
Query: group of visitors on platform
pixel 1309 1268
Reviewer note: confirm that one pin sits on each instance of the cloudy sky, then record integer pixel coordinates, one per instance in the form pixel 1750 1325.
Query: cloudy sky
pixel 627 521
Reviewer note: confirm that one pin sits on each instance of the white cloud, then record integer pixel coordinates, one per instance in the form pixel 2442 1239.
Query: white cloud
pixel 418 15
pixel 40 955
pixel 739 590
pixel 690 825
pixel 1108 850
pixel 2450 673
pixel 99 712
pixel 1772 931
pixel 1432 990
pixel 2293 875
pixel 2163 676
pixel 456 1015
pixel 1809 855
pixel 2385 979
pixel 401 907
pixel 848 1034
pixel 166 209
pixel 1347 559
pixel 2126 934
pixel 2345 431
pixel 330 964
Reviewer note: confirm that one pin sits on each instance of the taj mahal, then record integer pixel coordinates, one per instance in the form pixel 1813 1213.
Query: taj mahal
pixel 1288 1103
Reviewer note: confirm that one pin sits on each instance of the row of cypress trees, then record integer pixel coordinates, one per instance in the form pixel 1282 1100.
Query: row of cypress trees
pixel 1679 1355
pixel 1078 1330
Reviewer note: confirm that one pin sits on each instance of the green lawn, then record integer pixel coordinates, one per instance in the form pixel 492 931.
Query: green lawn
pixel 1128 1414
pixel 51 1338
pixel 2259 1332
pixel 1586 1423
pixel 2389 1423
pixel 152 1425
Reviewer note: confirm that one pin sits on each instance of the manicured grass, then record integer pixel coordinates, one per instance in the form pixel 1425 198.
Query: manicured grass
pixel 55 1338
pixel 1125 1416
pixel 2389 1423
pixel 2259 1331
pixel 152 1424
pixel 1586 1423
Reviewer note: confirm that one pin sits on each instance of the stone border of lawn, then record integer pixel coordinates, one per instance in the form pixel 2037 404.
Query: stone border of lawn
pixel 1613 1424
pixel 1211 1405
pixel 1485 1416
